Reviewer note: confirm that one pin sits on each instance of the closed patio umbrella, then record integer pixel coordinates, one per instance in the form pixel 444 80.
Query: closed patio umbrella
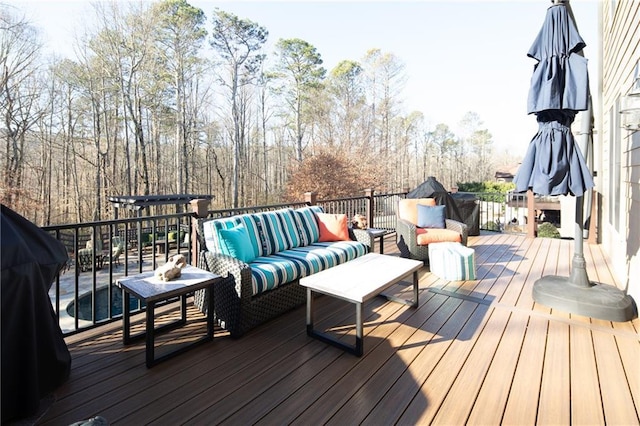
pixel 554 164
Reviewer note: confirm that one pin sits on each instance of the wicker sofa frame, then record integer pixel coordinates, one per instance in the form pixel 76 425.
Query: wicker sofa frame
pixel 236 308
pixel 408 245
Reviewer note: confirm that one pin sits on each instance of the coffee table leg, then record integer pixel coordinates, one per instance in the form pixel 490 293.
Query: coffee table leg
pixel 309 312
pixel 415 289
pixel 413 303
pixel 356 349
pixel 359 344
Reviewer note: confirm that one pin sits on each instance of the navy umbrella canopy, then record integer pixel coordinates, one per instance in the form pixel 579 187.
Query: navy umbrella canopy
pixel 560 78
pixel 554 164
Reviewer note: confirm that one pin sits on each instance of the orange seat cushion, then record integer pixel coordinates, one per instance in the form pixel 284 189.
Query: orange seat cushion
pixel 425 236
pixel 408 208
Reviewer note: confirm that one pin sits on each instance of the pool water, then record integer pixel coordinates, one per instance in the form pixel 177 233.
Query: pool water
pixel 102 308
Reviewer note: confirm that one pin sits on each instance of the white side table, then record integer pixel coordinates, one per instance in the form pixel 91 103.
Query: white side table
pixel 378 233
pixel 152 290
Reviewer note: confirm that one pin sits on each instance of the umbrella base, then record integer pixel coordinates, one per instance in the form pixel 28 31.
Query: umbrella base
pixel 597 300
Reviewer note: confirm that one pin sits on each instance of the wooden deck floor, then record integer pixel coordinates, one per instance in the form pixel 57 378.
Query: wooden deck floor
pixel 476 352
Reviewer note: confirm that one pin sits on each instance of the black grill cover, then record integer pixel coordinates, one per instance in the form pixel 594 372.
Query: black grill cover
pixel 35 358
pixel 469 210
pixel 458 206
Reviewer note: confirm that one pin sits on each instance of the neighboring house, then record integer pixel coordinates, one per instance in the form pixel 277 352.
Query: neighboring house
pixel 617 147
pixel 506 174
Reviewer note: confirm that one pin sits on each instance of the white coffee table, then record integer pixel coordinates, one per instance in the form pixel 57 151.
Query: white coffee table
pixel 357 281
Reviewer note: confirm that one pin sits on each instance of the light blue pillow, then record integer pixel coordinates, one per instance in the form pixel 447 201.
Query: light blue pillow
pixel 235 242
pixel 431 216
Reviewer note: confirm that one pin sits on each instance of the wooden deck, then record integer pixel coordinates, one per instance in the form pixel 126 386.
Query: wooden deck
pixel 476 352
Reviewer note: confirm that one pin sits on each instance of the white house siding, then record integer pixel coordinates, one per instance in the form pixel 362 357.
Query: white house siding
pixel 618 150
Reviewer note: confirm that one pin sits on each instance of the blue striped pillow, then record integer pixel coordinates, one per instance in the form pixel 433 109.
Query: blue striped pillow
pixel 273 231
pixel 307 224
pixel 290 227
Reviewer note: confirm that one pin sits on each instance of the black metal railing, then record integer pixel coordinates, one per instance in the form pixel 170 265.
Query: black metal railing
pixel 84 294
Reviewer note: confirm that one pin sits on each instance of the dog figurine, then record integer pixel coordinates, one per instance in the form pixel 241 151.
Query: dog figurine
pixel 359 222
pixel 172 269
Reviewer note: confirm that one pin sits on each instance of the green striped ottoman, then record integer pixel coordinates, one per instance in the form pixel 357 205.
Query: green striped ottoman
pixel 452 261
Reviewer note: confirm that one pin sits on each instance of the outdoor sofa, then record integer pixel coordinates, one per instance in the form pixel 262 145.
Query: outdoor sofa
pixel 266 254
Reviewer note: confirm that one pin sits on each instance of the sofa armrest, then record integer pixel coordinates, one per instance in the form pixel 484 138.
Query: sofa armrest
pixel 459 227
pixel 224 265
pixel 361 235
pixel 230 294
pixel 406 232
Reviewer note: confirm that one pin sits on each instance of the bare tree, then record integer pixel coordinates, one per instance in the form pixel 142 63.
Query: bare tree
pixel 239 43
pixel 386 78
pixel 478 143
pixel 19 54
pixel 298 67
pixel 181 33
pixel 347 90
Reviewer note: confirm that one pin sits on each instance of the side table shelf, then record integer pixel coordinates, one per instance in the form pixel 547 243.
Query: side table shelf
pixel 152 290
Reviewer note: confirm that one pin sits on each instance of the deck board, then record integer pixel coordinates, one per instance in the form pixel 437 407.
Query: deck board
pixel 476 352
pixel 617 400
pixel 586 401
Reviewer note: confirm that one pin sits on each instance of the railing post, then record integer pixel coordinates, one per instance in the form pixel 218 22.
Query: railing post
pixel 531 214
pixel 200 209
pixel 311 198
pixel 370 209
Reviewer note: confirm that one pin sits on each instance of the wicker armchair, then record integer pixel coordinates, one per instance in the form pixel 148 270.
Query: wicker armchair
pixel 236 308
pixel 407 231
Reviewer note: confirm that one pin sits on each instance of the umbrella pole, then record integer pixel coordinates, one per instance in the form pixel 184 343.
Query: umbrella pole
pixel 579 276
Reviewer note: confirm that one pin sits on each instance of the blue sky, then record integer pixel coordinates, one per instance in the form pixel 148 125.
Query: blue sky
pixel 459 56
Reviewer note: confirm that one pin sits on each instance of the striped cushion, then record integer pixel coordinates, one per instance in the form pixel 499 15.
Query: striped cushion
pixel 290 226
pixel 278 230
pixel 212 237
pixel 337 252
pixel 307 224
pixel 269 272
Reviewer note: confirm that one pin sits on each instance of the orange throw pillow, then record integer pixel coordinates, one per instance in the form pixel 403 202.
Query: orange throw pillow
pixel 333 227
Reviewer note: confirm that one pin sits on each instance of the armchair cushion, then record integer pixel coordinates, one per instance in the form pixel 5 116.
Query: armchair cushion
pixel 431 216
pixel 425 236
pixel 408 210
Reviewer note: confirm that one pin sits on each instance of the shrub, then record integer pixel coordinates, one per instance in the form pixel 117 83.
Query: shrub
pixel 548 230
pixel 492 187
pixel 491 226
